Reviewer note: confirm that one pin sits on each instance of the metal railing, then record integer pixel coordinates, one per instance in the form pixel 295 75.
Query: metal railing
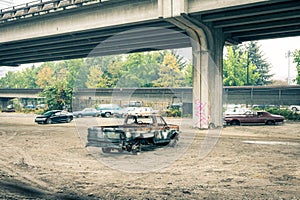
pixel 41 7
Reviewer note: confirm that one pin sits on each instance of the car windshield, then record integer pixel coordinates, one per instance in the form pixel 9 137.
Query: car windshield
pixel 49 113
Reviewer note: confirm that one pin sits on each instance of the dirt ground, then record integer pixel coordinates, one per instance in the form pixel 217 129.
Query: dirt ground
pixel 52 162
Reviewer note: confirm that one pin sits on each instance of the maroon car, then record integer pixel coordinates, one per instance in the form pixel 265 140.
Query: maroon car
pixel 257 117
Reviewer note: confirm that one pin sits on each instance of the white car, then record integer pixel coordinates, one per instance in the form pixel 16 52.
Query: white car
pixel 141 111
pixel 294 108
pixel 237 111
pixel 123 112
pixel 108 110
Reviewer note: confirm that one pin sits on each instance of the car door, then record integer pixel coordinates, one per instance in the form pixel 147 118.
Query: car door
pixel 60 116
pixel 55 117
pixel 255 118
pixel 86 112
pixel 163 127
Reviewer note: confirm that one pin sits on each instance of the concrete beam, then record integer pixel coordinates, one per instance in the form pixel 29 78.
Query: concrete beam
pixel 195 6
pixel 82 19
pixel 119 14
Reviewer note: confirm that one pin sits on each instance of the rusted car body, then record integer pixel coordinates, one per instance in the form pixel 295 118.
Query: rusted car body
pixel 256 117
pixel 137 131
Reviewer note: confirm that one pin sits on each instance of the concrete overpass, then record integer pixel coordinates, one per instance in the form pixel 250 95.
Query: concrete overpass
pixel 66 29
pixel 63 29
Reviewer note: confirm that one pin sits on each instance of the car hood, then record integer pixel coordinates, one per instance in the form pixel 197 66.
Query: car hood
pixel 40 116
pixel 278 116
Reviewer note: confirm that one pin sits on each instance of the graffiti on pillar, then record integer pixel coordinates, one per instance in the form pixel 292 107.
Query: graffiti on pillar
pixel 200 113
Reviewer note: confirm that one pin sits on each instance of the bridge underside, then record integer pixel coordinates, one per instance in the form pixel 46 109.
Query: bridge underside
pixel 164 24
pixel 264 20
pixel 136 38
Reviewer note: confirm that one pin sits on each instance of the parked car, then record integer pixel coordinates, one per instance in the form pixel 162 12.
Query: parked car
pixel 107 110
pixel 123 112
pixel 30 106
pixel 263 107
pixel 9 110
pixel 93 112
pixel 236 111
pixel 294 108
pixel 54 116
pixel 258 117
pixel 141 111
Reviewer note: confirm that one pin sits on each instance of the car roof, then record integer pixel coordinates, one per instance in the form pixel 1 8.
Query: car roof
pixel 145 115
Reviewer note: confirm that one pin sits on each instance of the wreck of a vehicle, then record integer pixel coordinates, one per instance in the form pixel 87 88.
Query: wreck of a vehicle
pixel 135 132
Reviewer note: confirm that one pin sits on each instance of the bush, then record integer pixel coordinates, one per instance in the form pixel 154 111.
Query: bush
pixel 288 114
pixel 173 112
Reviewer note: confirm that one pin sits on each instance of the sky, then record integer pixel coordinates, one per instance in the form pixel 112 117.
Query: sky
pixel 274 50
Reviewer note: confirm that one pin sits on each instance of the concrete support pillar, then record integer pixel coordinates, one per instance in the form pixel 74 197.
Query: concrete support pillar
pixel 216 78
pixel 201 94
pixel 207 44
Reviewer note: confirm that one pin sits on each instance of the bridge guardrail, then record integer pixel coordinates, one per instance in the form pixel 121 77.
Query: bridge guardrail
pixel 41 7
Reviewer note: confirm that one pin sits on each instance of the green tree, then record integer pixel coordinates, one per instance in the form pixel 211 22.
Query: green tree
pixel 296 60
pixel 255 56
pixel 9 81
pixel 188 74
pixel 59 90
pixel 28 78
pixel 169 73
pixel 238 70
pixel 233 69
pixel 20 79
pixel 58 95
pixel 45 77
pixel 94 77
pixel 140 70
pixel 104 71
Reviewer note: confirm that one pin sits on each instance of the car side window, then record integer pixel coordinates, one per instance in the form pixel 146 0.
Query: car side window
pixel 160 121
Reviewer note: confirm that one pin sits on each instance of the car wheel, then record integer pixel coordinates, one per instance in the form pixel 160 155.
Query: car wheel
pixel 79 116
pixel 68 120
pixel 174 141
pixel 294 109
pixel 270 122
pixel 211 126
pixel 49 121
pixel 235 123
pixel 107 115
pixel 106 150
pixel 120 150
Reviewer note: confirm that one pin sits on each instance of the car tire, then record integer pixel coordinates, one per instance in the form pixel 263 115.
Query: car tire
pixel 294 109
pixel 106 150
pixel 68 120
pixel 107 115
pixel 48 121
pixel 174 140
pixel 79 116
pixel 270 122
pixel 235 123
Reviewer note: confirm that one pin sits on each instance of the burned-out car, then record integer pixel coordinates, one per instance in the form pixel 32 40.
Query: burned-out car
pixel 135 132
